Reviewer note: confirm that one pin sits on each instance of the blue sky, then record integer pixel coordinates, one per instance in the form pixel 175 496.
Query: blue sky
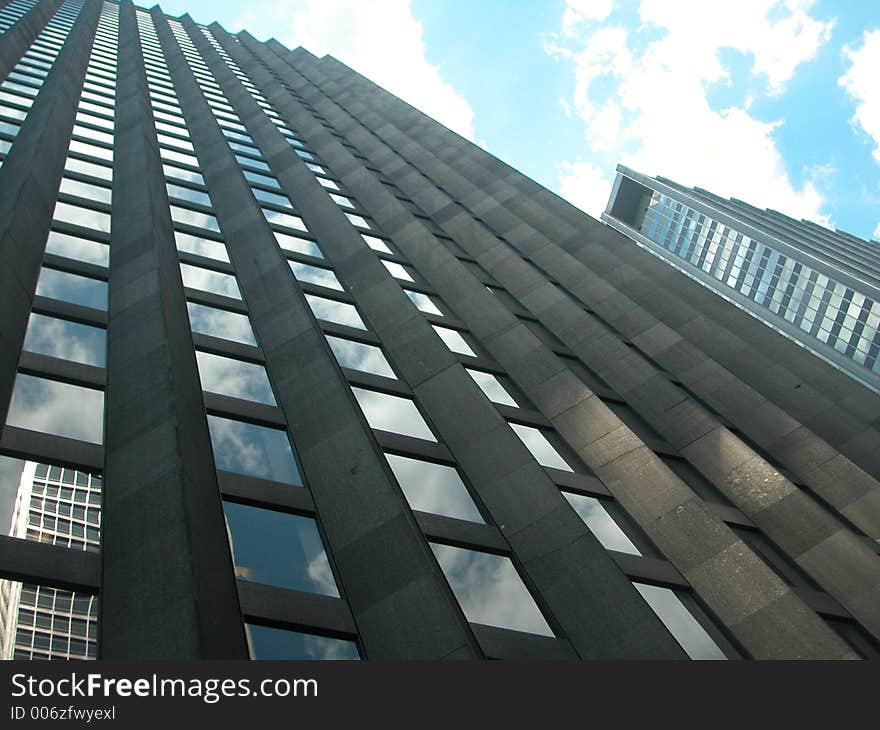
pixel 771 101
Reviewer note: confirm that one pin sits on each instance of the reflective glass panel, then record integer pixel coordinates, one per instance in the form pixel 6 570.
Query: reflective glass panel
pixel 489 590
pixel 358 356
pixel 423 302
pixel 315 275
pixel 284 219
pixel 491 386
pixel 220 323
pixel 72 288
pixel 433 488
pixel 298 245
pixel 454 341
pixel 541 448
pixel 201 246
pixel 81 216
pixel 392 413
pixel 66 340
pixel 194 218
pixel 236 378
pixel 85 190
pixel 277 548
pixel 396 270
pixel 681 624
pixel 333 311
pixel 81 249
pixel 271 643
pixel 197 277
pixel 254 451
pixel 377 244
pixel 57 408
pixel 600 523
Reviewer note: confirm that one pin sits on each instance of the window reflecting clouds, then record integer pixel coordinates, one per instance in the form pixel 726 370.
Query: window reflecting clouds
pixel 454 341
pixel 392 413
pixel 298 245
pixel 681 624
pixel 236 378
pixel 81 216
pixel 541 448
pixel 489 590
pixel 72 288
pixel 377 244
pixel 201 246
pixel 433 488
pixel 284 219
pixel 271 643
pixel 358 356
pixel 491 386
pixel 66 340
pixel 600 523
pixel 255 451
pixel 277 548
pixel 220 323
pixel 332 311
pixel 81 249
pixel 57 408
pixel 194 218
pixel 197 277
pixel 397 270
pixel 315 275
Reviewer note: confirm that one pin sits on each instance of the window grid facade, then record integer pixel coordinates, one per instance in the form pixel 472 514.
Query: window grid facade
pixel 360 521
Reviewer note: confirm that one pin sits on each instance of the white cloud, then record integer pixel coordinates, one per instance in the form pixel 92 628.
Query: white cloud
pixel 657 117
pixel 380 39
pixel 876 233
pixel 861 83
pixel 585 185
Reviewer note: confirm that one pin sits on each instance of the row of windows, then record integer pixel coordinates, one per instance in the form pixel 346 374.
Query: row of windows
pixel 20 88
pixel 13 12
pixel 830 311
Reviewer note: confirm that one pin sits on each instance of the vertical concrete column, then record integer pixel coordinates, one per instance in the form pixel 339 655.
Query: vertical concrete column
pixel 168 585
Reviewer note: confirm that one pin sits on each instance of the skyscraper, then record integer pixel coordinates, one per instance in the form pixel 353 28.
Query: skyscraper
pixel 355 388
pixel 818 287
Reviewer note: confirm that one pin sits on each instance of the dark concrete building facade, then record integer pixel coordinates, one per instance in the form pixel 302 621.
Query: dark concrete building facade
pixel 354 388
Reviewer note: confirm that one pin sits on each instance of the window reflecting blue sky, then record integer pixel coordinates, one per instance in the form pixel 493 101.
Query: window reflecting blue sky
pixel 66 340
pixel 298 245
pixel 277 548
pixel 197 277
pixel 72 288
pixel 491 386
pixel 315 275
pixel 271 643
pixel 255 451
pixel 541 448
pixel 220 323
pixel 600 523
pixel 358 356
pixel 81 249
pixel 333 311
pixel 392 413
pixel 236 378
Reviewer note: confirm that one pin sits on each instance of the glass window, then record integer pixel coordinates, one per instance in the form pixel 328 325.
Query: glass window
pixel 491 386
pixel 272 198
pixel 423 302
pixel 255 451
pixel 256 177
pixel 194 218
pixel 358 356
pixel 332 311
pixel 342 200
pixel 196 277
pixel 66 340
pixel 454 341
pixel 329 184
pixel 540 446
pixel 377 244
pixel 81 249
pixel 72 288
pixel 284 219
pixel 178 173
pixel 236 378
pixel 57 408
pixel 298 245
pixel 489 590
pixel 201 246
pixel 600 523
pixel 433 488
pixel 184 193
pixel 248 161
pixel 220 323
pixel 392 413
pixel 681 624
pixel 277 548
pixel 86 190
pixel 270 643
pixel 397 270
pixel 92 150
pixel 81 216
pixel 315 275
pixel 357 220
pixel 88 168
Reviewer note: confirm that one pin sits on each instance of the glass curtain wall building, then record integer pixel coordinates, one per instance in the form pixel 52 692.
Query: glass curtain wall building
pixel 819 287
pixel 294 369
